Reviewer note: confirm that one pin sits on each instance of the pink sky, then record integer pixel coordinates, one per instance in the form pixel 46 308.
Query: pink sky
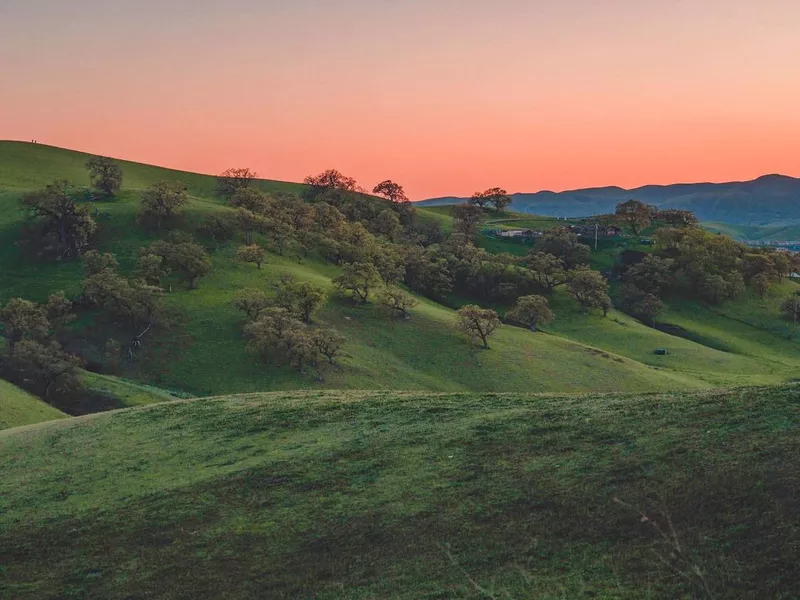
pixel 443 96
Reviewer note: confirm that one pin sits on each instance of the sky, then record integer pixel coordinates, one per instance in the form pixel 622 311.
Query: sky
pixel 446 97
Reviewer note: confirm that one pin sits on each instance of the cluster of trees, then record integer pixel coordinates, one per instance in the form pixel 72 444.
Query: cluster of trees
pixel 638 216
pixel 694 263
pixel 133 307
pixel 282 327
pixel 32 357
pixel 380 245
pixel 496 197
pixel 63 227
pixel 716 268
pixel 56 225
pixel 479 323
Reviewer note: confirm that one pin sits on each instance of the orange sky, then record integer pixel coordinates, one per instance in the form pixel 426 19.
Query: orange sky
pixel 443 96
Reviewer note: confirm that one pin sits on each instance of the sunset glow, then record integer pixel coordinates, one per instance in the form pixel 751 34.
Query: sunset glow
pixel 443 96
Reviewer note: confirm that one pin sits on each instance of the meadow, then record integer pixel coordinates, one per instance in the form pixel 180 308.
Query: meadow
pixel 408 495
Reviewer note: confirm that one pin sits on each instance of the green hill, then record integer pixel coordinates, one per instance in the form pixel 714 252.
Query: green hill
pixel 18 407
pixel 408 495
pixel 778 232
pixel 642 483
pixel 205 354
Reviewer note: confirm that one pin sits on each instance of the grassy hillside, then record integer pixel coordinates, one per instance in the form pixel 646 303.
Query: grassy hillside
pixel 743 342
pixel 206 355
pixel 18 407
pixel 779 232
pixel 26 166
pixel 409 495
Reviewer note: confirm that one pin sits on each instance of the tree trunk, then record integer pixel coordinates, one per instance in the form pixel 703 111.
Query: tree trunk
pixel 484 340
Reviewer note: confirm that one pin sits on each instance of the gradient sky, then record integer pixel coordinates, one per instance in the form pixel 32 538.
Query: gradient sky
pixel 443 96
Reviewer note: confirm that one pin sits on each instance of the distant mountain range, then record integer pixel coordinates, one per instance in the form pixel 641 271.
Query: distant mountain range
pixel 768 200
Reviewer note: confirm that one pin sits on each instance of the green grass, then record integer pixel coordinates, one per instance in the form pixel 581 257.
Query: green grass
pixel 717 349
pixel 125 394
pixel 18 407
pixel 362 495
pixel 779 232
pixel 205 354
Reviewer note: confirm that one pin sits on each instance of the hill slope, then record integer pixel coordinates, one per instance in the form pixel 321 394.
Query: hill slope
pixel 18 407
pixel 207 355
pixel 408 495
pixel 766 200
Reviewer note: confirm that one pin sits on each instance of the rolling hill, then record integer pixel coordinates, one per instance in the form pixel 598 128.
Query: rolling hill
pixel 408 495
pixel 768 200
pixel 206 354
pixel 574 462
pixel 18 408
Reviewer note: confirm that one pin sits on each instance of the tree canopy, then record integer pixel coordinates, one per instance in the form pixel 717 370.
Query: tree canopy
pixel 57 222
pixel 496 197
pixel 231 181
pixel 162 200
pixel 532 311
pixel 478 323
pixel 635 214
pixel 105 175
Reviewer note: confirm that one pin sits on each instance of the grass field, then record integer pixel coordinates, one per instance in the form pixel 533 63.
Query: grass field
pixel 778 232
pixel 408 495
pixel 205 355
pixel 18 407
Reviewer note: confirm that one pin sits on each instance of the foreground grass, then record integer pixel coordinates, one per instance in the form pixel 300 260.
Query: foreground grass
pixel 406 495
pixel 18 407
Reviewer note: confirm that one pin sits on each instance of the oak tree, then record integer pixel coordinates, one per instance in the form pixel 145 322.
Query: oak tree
pixel 359 279
pixel 57 221
pixel 233 180
pixel 589 288
pixel 478 323
pixel 637 215
pixel 105 175
pixel 162 200
pixel 532 311
pixel 251 254
pixel 396 301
